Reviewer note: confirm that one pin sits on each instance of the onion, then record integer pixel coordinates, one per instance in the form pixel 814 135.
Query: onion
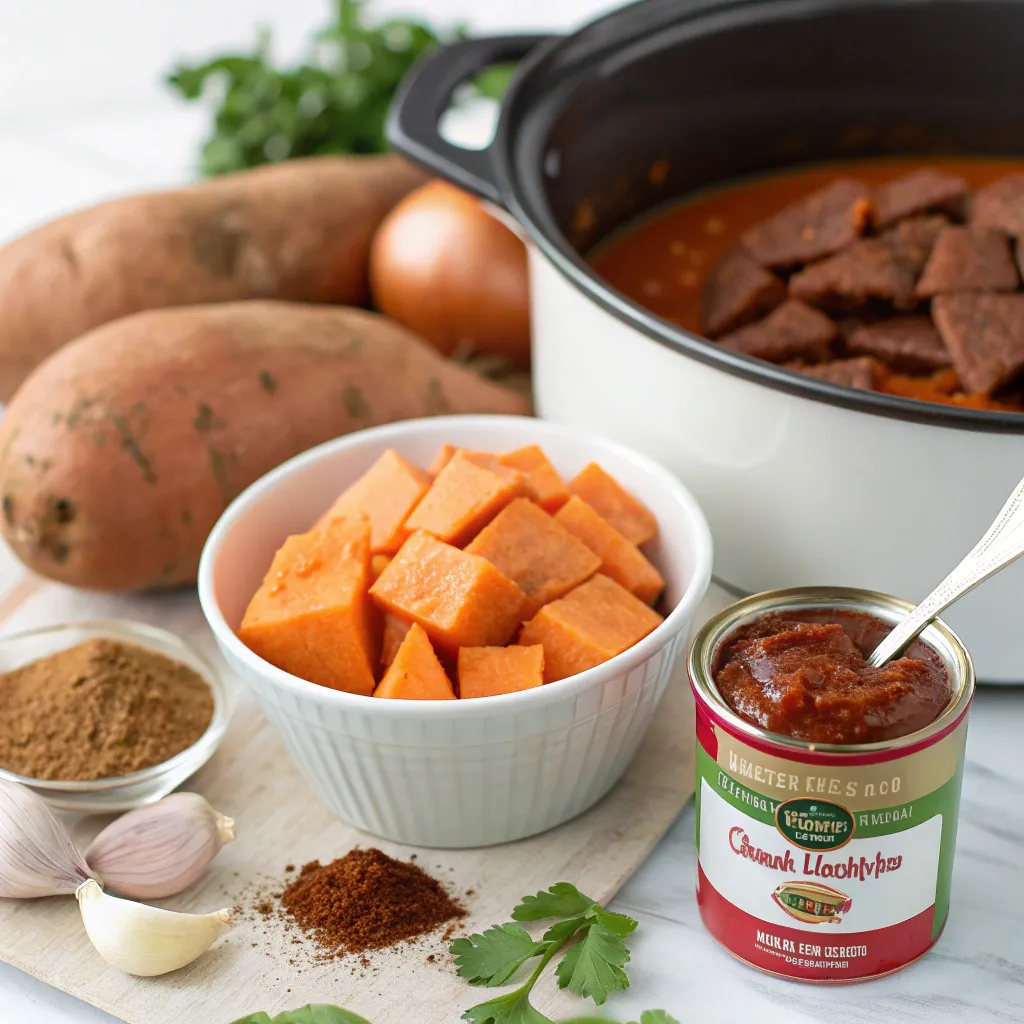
pixel 444 267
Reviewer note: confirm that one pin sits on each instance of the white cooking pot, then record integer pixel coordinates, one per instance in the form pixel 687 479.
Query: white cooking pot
pixel 803 482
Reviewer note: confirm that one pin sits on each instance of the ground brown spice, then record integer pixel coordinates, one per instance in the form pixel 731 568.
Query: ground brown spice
pixel 99 710
pixel 367 900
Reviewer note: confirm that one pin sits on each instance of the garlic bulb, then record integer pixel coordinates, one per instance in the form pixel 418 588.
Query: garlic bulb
pixel 142 940
pixel 37 856
pixel 159 850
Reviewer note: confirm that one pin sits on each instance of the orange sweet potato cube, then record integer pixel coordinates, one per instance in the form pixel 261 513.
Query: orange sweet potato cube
pixel 312 616
pixel 463 499
pixel 386 493
pixel 529 547
pixel 394 632
pixel 487 671
pixel 591 624
pixel 378 563
pixel 445 453
pixel 550 491
pixel 460 599
pixel 620 560
pixel 609 499
pixel 415 673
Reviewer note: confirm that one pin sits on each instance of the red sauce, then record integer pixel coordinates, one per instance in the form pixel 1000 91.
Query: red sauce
pixel 662 261
pixel 804 674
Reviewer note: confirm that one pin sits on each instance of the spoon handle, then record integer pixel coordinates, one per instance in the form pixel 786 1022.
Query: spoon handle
pixel 1002 544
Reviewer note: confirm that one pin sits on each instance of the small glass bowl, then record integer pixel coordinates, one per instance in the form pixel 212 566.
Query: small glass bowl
pixel 120 793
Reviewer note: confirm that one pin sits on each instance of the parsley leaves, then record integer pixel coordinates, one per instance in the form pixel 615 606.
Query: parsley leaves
pixel 335 100
pixel 591 939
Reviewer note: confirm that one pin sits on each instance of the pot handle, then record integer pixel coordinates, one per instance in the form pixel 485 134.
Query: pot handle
pixel 424 96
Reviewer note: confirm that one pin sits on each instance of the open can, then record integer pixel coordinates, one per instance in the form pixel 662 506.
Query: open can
pixel 820 862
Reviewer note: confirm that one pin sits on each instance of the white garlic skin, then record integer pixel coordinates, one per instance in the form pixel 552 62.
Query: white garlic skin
pixel 159 850
pixel 37 856
pixel 146 941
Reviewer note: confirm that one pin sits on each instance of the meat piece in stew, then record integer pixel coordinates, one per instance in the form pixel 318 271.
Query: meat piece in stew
pixel 925 191
pixel 985 336
pixel 1000 205
pixel 737 291
pixel 793 331
pixel 812 228
pixel 910 344
pixel 969 259
pixel 862 373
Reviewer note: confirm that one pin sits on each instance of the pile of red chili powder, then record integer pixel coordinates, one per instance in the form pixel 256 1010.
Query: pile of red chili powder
pixel 367 900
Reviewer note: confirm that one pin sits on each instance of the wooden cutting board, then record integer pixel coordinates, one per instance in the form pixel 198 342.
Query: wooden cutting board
pixel 279 822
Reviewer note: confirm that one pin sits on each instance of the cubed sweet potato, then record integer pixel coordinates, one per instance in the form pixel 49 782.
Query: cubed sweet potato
pixel 378 563
pixel 487 671
pixel 550 491
pixel 460 599
pixel 444 456
pixel 386 493
pixel 609 499
pixel 591 624
pixel 312 617
pixel 463 499
pixel 539 554
pixel 415 673
pixel 393 633
pixel 621 560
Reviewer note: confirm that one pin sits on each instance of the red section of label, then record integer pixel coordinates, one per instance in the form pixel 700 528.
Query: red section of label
pixel 706 734
pixel 822 954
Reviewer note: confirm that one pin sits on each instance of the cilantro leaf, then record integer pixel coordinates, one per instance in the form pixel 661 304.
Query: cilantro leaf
pixel 511 1008
pixel 561 931
pixel 656 1017
pixel 619 924
pixel 493 957
pixel 563 899
pixel 593 967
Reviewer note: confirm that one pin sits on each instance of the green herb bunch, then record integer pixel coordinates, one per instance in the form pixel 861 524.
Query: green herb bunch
pixel 590 940
pixel 336 101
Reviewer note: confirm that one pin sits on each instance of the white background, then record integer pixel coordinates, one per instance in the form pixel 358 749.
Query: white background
pixel 83 117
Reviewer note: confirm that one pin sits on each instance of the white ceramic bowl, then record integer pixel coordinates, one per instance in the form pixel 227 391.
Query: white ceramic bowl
pixel 457 773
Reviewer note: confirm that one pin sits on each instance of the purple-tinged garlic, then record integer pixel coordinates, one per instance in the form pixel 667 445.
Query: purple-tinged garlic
pixel 37 856
pixel 159 850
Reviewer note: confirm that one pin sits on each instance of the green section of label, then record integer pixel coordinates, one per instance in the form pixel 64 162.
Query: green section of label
pixel 883 821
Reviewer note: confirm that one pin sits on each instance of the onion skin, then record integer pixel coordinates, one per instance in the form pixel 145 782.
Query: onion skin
pixel 442 266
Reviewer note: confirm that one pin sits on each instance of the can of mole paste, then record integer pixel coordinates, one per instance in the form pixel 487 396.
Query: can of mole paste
pixel 825 863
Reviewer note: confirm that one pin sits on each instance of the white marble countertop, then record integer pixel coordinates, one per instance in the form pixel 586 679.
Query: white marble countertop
pixel 83 118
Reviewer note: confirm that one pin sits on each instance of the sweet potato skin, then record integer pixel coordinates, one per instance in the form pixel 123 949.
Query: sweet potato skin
pixel 298 231
pixel 120 451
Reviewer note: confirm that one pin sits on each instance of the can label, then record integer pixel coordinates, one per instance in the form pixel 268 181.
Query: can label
pixel 819 871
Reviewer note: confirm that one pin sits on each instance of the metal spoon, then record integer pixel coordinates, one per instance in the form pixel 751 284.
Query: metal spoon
pixel 1002 544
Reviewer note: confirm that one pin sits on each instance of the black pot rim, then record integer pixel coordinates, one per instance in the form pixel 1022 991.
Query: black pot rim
pixel 553 244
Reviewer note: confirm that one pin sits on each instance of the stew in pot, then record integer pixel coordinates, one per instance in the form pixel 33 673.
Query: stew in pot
pixel 897 276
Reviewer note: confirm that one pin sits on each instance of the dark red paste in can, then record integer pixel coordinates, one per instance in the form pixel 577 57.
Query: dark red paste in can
pixel 804 674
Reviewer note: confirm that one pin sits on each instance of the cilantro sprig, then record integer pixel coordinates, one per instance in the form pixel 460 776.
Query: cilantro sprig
pixel 590 939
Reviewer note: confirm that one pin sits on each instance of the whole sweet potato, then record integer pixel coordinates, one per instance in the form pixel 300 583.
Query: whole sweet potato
pixel 118 453
pixel 299 231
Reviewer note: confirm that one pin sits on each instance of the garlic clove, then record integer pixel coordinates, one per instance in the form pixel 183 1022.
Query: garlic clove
pixel 146 941
pixel 37 856
pixel 159 850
